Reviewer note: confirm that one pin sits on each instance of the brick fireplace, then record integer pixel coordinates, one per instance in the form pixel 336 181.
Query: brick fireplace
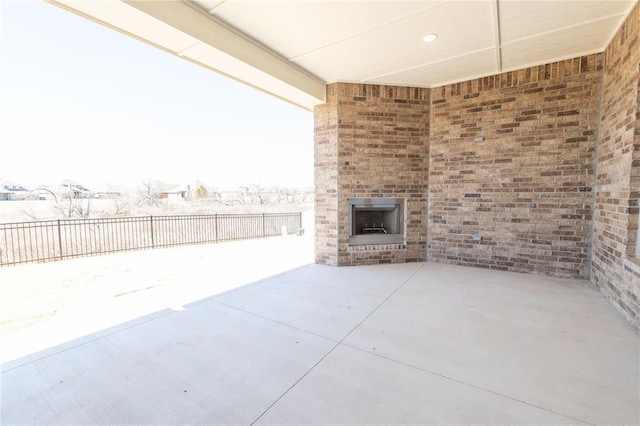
pixel 371 144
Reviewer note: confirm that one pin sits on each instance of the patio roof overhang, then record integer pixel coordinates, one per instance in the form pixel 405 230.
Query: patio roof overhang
pixel 292 49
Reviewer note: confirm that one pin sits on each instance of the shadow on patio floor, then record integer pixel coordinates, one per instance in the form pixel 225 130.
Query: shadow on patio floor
pixel 42 305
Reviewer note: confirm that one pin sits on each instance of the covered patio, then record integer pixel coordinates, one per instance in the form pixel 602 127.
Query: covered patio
pixel 509 292
pixel 504 133
pixel 412 343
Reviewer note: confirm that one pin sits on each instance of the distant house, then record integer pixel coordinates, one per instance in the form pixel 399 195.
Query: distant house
pixel 110 190
pixel 12 191
pixel 71 189
pixel 5 195
pixel 172 194
pixel 188 191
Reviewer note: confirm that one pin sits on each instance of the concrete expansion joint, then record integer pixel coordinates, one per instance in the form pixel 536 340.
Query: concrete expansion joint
pixel 337 344
pixel 272 320
pixel 471 385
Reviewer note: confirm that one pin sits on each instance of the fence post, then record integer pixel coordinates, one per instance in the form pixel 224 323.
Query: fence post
pixel 264 232
pixel 215 221
pixel 59 239
pixel 153 240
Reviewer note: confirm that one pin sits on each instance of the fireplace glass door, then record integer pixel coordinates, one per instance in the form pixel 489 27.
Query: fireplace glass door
pixel 376 220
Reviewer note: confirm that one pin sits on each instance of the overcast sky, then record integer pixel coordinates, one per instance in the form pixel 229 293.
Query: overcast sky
pixel 79 101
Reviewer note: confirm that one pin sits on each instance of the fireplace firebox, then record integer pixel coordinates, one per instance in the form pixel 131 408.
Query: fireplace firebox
pixel 376 221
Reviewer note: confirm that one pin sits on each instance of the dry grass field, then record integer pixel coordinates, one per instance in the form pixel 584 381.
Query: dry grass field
pixel 31 210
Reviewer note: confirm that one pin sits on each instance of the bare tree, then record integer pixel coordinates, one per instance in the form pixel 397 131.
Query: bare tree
pixel 283 194
pixel 74 207
pixel 150 193
pixel 259 194
pixel 215 196
pixel 120 205
pixel 241 196
pixel 305 194
pixel 30 213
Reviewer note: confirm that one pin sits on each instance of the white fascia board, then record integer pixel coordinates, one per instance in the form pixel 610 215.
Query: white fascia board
pixel 180 28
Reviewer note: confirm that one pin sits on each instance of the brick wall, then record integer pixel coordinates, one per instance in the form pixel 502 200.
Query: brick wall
pixel 526 189
pixel 378 149
pixel 326 179
pixel 616 270
pixel 553 188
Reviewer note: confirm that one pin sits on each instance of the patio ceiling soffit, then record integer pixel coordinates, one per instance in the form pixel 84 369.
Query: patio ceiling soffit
pixel 292 49
pixel 184 30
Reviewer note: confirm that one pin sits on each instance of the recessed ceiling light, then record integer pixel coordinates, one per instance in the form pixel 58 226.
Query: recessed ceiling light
pixel 430 37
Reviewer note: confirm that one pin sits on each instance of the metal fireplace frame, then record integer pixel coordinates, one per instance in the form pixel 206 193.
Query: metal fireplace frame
pixel 374 204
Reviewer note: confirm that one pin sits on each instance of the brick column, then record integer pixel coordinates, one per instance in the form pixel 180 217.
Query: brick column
pixel 371 141
pixel 326 179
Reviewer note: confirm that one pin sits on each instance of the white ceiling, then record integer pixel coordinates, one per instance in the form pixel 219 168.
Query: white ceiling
pixel 292 48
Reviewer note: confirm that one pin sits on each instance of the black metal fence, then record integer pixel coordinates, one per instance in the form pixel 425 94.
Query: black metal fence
pixel 47 240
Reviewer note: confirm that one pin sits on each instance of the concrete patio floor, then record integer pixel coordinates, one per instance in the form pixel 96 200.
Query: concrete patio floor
pixel 420 343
